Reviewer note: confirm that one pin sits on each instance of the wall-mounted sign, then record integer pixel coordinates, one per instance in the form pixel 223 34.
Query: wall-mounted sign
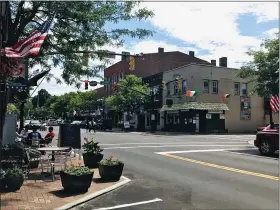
pixel 215 112
pixel 245 108
pixel 208 116
pixel 222 116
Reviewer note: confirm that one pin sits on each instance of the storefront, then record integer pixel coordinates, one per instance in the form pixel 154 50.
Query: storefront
pixel 195 117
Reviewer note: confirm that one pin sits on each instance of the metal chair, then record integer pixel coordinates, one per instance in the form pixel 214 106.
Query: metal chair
pixel 60 160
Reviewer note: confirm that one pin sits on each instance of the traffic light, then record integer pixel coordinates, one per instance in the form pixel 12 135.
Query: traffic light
pixel 86 84
pixel 163 84
pixel 115 87
pixel 131 63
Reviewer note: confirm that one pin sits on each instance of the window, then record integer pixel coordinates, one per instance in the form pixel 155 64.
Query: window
pixel 184 86
pixel 237 88
pixel 206 86
pixel 168 89
pixel 244 89
pixel 175 89
pixel 214 86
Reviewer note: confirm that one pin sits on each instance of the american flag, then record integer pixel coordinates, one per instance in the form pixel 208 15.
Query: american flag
pixel 274 103
pixel 32 44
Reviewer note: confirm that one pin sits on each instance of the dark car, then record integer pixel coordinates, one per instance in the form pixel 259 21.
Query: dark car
pixel 267 141
pixel 105 124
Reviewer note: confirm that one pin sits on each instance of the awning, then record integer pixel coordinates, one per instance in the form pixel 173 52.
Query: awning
pixel 196 106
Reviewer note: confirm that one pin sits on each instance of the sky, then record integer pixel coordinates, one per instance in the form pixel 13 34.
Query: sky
pixel 212 30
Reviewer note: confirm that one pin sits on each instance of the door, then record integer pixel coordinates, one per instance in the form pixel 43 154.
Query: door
pixel 141 123
pixel 186 121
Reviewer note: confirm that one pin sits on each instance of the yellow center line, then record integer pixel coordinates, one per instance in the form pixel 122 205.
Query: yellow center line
pixel 222 167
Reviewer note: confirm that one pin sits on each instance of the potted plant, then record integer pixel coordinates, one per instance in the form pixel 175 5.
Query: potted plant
pixel 92 153
pixel 110 169
pixel 2 178
pixel 14 178
pixel 76 178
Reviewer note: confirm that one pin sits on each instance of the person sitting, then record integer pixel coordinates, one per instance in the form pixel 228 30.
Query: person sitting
pixel 49 137
pixel 34 138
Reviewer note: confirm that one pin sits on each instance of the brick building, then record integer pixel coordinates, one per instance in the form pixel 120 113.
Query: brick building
pixel 149 67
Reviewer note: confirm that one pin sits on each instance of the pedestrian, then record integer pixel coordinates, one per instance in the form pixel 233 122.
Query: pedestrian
pixel 94 125
pixel 87 126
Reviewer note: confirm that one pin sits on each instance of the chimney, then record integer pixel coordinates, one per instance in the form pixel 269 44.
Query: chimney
pixel 191 53
pixel 223 62
pixel 213 62
pixel 160 50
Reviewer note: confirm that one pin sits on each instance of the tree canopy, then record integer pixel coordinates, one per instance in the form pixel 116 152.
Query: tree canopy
pixel 78 25
pixel 263 71
pixel 126 99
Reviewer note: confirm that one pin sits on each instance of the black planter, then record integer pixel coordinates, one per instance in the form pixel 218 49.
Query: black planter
pixel 33 164
pixel 14 184
pixel 72 183
pixel 92 160
pixel 110 173
pixel 2 183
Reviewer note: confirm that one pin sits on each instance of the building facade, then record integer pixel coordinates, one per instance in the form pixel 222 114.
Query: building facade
pixel 209 111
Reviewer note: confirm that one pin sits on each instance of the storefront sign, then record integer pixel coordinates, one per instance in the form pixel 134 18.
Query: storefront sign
pixel 208 116
pixel 245 108
pixel 185 110
pixel 215 112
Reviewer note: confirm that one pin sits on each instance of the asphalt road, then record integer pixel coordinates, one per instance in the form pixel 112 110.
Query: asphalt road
pixel 189 172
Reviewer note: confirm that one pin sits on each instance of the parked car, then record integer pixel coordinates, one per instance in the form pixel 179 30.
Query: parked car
pixel 34 124
pixel 267 127
pixel 26 123
pixel 52 122
pixel 82 124
pixel 105 124
pixel 267 141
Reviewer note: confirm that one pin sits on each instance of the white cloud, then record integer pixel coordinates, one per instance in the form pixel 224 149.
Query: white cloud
pixel 272 32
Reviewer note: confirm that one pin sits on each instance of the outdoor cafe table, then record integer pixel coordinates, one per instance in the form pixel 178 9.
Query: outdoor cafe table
pixel 53 149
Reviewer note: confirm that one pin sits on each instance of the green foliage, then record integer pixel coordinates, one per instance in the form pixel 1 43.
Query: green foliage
pixel 263 71
pixel 91 147
pixel 43 97
pixel 79 25
pixel 12 108
pixel 126 97
pixel 78 170
pixel 111 161
pixel 14 173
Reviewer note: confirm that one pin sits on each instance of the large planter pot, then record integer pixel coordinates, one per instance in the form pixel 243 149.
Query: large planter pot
pixel 14 184
pixel 110 173
pixel 73 183
pixel 92 160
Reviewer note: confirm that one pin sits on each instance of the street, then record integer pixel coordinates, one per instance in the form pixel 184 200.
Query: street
pixel 188 172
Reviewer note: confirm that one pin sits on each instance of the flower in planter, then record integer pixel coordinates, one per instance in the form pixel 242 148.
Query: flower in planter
pixel 111 161
pixel 91 146
pixel 77 170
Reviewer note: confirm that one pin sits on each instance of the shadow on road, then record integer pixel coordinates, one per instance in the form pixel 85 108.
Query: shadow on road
pixel 254 152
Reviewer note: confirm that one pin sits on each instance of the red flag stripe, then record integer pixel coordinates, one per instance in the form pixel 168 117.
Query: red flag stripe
pixel 22 42
pixel 274 103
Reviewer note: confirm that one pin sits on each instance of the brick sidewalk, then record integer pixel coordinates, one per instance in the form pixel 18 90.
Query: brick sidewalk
pixel 40 192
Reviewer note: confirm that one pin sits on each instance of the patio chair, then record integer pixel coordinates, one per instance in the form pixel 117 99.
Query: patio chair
pixel 60 160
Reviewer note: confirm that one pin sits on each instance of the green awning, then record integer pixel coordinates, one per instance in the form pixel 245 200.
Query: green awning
pixel 196 106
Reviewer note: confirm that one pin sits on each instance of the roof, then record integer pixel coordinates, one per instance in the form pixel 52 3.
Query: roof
pixel 196 106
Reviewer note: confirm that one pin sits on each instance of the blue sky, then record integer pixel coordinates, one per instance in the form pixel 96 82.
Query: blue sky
pixel 212 30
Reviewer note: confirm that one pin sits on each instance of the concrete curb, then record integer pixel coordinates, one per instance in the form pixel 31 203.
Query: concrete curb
pixel 95 194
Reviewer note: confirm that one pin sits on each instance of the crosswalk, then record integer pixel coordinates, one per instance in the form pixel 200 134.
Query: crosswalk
pixel 229 137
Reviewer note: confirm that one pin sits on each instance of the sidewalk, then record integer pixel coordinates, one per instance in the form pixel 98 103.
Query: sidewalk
pixel 40 192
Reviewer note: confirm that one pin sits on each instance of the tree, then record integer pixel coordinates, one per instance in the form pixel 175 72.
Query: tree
pixel 12 108
pixel 127 98
pixel 78 25
pixel 263 71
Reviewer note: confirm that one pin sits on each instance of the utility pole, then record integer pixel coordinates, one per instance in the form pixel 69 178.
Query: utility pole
pixel 3 93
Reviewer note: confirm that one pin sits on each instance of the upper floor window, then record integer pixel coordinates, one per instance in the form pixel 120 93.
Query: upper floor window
pixel 244 89
pixel 184 86
pixel 168 89
pixel 237 88
pixel 206 86
pixel 214 86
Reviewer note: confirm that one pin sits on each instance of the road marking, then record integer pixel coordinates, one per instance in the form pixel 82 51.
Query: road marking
pixel 177 145
pixel 223 167
pixel 131 204
pixel 191 151
pixel 259 156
